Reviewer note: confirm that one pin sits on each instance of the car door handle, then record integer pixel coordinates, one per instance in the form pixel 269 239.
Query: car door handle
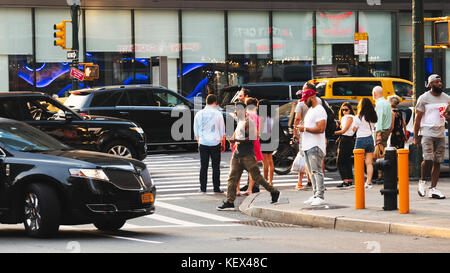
pixel 124 113
pixel 165 113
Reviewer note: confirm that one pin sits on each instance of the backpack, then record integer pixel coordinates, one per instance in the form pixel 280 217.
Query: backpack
pixel 331 121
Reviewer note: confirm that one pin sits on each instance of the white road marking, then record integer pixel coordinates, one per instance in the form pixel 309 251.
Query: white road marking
pixel 193 212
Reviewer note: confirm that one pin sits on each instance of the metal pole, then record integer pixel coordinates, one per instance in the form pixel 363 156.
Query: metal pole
pixel 75 46
pixel 418 75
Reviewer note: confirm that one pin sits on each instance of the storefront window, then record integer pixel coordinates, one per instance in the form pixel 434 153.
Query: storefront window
pixel 15 47
pixel 335 37
pixel 156 34
pixel 203 53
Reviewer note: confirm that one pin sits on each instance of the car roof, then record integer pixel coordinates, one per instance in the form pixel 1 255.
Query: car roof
pixel 115 87
pixel 22 93
pixel 357 79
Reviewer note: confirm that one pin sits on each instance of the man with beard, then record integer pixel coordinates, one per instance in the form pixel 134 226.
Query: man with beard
pixel 430 125
pixel 313 144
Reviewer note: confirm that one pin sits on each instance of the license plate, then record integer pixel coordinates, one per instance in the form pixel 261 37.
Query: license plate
pixel 147 197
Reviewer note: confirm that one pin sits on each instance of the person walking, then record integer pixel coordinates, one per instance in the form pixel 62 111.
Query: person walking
pixel 244 159
pixel 209 129
pixel 345 144
pixel 313 144
pixel 398 134
pixel 431 112
pixel 266 138
pixel 364 126
pixel 252 108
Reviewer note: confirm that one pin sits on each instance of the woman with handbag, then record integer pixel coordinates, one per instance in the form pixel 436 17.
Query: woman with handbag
pixel 345 144
pixel 364 125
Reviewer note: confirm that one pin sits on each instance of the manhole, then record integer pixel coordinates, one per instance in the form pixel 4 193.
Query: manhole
pixel 266 224
pixel 325 207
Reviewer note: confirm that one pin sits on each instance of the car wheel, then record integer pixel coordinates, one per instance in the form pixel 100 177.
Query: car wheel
pixel 42 210
pixel 120 148
pixel 110 224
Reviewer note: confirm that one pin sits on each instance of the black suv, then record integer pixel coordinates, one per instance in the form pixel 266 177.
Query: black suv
pixel 104 134
pixel 45 184
pixel 152 107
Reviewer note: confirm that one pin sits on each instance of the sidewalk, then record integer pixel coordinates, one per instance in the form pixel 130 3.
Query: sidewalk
pixel 427 217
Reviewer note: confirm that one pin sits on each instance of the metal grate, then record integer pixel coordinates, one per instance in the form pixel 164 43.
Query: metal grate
pixel 266 224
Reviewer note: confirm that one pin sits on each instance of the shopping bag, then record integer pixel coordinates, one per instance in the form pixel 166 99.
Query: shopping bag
pixel 299 164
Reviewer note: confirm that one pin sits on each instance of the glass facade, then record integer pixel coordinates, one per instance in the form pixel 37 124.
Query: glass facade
pixel 206 50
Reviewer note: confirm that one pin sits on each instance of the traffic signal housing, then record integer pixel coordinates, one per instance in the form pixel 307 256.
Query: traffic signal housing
pixel 60 34
pixel 441 33
pixel 91 72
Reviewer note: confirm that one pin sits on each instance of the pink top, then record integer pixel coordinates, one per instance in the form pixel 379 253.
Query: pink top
pixel 256 144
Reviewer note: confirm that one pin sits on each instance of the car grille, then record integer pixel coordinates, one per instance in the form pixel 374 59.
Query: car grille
pixel 125 180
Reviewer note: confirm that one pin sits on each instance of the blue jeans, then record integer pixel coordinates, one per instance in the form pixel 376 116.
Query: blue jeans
pixel 313 160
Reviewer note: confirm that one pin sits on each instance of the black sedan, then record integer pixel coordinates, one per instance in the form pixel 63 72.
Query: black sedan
pixel 45 184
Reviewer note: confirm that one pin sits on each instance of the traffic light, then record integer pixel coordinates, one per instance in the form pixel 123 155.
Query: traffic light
pixel 91 72
pixel 60 34
pixel 441 33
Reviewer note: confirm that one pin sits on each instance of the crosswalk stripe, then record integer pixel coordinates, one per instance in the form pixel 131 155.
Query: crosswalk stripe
pixel 193 212
pixel 170 220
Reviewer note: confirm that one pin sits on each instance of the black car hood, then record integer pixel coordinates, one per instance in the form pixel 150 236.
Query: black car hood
pixel 99 159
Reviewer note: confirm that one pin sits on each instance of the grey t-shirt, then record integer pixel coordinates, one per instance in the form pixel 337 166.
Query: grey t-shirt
pixel 433 120
pixel 302 109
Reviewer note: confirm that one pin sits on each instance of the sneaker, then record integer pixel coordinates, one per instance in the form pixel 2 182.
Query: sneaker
pixel 434 193
pixel 421 189
pixel 343 185
pixel 299 187
pixel 317 201
pixel 219 191
pixel 309 201
pixel 368 186
pixel 226 206
pixel 275 196
pixel 309 184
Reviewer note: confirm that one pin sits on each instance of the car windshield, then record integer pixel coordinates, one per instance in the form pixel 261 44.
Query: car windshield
pixel 287 109
pixel 25 138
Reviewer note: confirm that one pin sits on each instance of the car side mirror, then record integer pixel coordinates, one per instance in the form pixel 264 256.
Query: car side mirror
pixel 69 116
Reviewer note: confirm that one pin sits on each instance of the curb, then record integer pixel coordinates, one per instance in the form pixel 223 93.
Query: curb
pixel 339 223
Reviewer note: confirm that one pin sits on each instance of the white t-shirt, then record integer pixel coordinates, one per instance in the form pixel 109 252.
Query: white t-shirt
pixel 344 121
pixel 310 140
pixel 365 128
pixel 433 107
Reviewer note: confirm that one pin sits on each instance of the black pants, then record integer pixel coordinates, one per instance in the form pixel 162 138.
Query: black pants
pixel 205 153
pixel 344 160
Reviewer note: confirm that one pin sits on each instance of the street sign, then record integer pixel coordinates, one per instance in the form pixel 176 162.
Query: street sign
pixel 361 42
pixel 76 73
pixel 72 54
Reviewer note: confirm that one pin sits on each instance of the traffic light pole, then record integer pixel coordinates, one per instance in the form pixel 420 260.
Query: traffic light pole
pixel 74 9
pixel 418 76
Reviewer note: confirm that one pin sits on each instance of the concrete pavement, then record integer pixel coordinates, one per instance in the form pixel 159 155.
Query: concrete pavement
pixel 427 217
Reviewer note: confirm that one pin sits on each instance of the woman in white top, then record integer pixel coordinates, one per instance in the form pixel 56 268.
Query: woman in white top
pixel 364 124
pixel 346 144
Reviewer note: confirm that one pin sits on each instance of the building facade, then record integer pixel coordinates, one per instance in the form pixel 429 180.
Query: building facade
pixel 210 44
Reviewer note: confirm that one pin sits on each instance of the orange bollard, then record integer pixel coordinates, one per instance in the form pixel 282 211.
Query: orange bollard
pixel 359 179
pixel 403 180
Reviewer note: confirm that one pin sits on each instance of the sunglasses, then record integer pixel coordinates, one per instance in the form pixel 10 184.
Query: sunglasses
pixel 345 110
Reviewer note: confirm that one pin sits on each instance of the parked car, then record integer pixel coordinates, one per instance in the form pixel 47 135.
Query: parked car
pixel 278 93
pixel 356 88
pixel 103 134
pixel 46 184
pixel 149 106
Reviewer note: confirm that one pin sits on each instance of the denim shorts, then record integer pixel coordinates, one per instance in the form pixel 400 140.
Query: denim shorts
pixel 365 143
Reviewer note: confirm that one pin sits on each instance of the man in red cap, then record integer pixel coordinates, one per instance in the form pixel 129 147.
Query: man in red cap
pixel 314 144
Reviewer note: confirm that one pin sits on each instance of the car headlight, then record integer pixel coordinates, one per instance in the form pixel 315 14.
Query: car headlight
pixel 137 129
pixel 98 174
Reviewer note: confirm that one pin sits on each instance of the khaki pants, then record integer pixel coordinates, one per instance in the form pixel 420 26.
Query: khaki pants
pixel 238 165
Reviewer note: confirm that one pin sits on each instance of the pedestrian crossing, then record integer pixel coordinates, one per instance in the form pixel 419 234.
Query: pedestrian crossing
pixel 178 175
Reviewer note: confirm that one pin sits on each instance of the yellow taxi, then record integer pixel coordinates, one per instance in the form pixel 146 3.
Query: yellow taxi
pixel 356 88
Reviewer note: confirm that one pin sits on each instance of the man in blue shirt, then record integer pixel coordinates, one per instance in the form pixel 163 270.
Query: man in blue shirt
pixel 209 130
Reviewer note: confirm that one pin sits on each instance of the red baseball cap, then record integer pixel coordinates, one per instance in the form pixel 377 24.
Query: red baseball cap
pixel 307 93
